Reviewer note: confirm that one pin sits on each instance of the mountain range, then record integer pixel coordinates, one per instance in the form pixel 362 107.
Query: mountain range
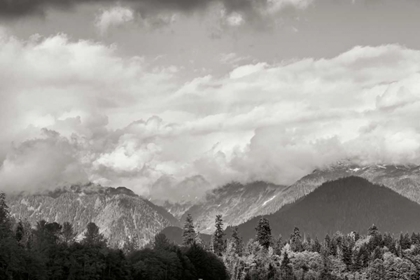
pixel 120 214
pixel 123 215
pixel 345 205
pixel 238 203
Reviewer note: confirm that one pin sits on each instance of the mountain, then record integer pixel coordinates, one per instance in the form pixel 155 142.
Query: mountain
pixel 404 180
pixel 347 204
pixel 236 202
pixel 241 202
pixel 119 213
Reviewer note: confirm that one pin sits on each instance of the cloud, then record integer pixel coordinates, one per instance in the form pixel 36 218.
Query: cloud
pixel 235 11
pixel 113 17
pixel 42 164
pixel 76 111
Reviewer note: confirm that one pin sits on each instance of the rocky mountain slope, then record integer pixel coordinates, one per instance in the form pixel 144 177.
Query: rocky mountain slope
pixel 347 204
pixel 119 213
pixel 404 180
pixel 237 203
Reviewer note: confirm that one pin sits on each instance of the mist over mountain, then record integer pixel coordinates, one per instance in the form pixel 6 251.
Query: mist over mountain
pixel 236 202
pixel 347 204
pixel 178 197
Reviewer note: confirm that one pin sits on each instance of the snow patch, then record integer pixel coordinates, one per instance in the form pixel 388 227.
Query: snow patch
pixel 355 169
pixel 24 202
pixel 268 200
pixel 98 203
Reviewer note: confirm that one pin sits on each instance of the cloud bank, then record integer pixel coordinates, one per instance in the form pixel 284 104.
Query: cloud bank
pixel 77 111
pixel 235 11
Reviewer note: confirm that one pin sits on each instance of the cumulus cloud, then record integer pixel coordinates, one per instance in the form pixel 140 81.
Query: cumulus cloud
pixel 77 111
pixel 42 163
pixel 113 17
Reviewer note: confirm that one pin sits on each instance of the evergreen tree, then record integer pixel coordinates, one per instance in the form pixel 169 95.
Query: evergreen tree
pixel 377 254
pixel 218 241
pixel 363 256
pixel 189 234
pixel 237 242
pixel 373 230
pixel 92 236
pixel 19 232
pixel 415 239
pixel 347 255
pixel 316 246
pixel 161 242
pixel 264 233
pixel 326 271
pixel 405 241
pixel 5 225
pixel 296 241
pixel 286 270
pixel 278 245
pixel 327 245
pixel 68 234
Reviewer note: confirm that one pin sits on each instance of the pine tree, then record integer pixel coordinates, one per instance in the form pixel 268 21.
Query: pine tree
pixel 19 232
pixel 327 245
pixel 218 241
pixel 377 254
pixel 278 245
pixel 68 234
pixel 316 246
pixel 189 234
pixel 286 270
pixel 264 233
pixel 238 242
pixel 405 241
pixel 373 230
pixel 347 255
pixel 296 240
pixel 92 236
pixel 5 225
pixel 326 271
pixel 161 242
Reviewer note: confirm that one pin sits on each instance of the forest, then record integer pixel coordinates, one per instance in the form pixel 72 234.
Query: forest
pixel 52 251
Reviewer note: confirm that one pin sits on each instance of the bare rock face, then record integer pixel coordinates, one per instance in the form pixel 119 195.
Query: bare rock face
pixel 237 203
pixel 120 214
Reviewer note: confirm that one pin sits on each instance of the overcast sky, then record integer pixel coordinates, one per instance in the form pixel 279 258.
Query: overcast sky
pixel 140 92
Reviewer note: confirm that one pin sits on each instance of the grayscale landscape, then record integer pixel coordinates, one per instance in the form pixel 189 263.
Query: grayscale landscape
pixel 209 139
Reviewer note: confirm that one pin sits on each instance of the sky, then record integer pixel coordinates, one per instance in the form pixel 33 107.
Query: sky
pixel 155 95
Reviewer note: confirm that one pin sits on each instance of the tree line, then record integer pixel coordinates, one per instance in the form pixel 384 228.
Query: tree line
pixel 53 251
pixel 374 256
